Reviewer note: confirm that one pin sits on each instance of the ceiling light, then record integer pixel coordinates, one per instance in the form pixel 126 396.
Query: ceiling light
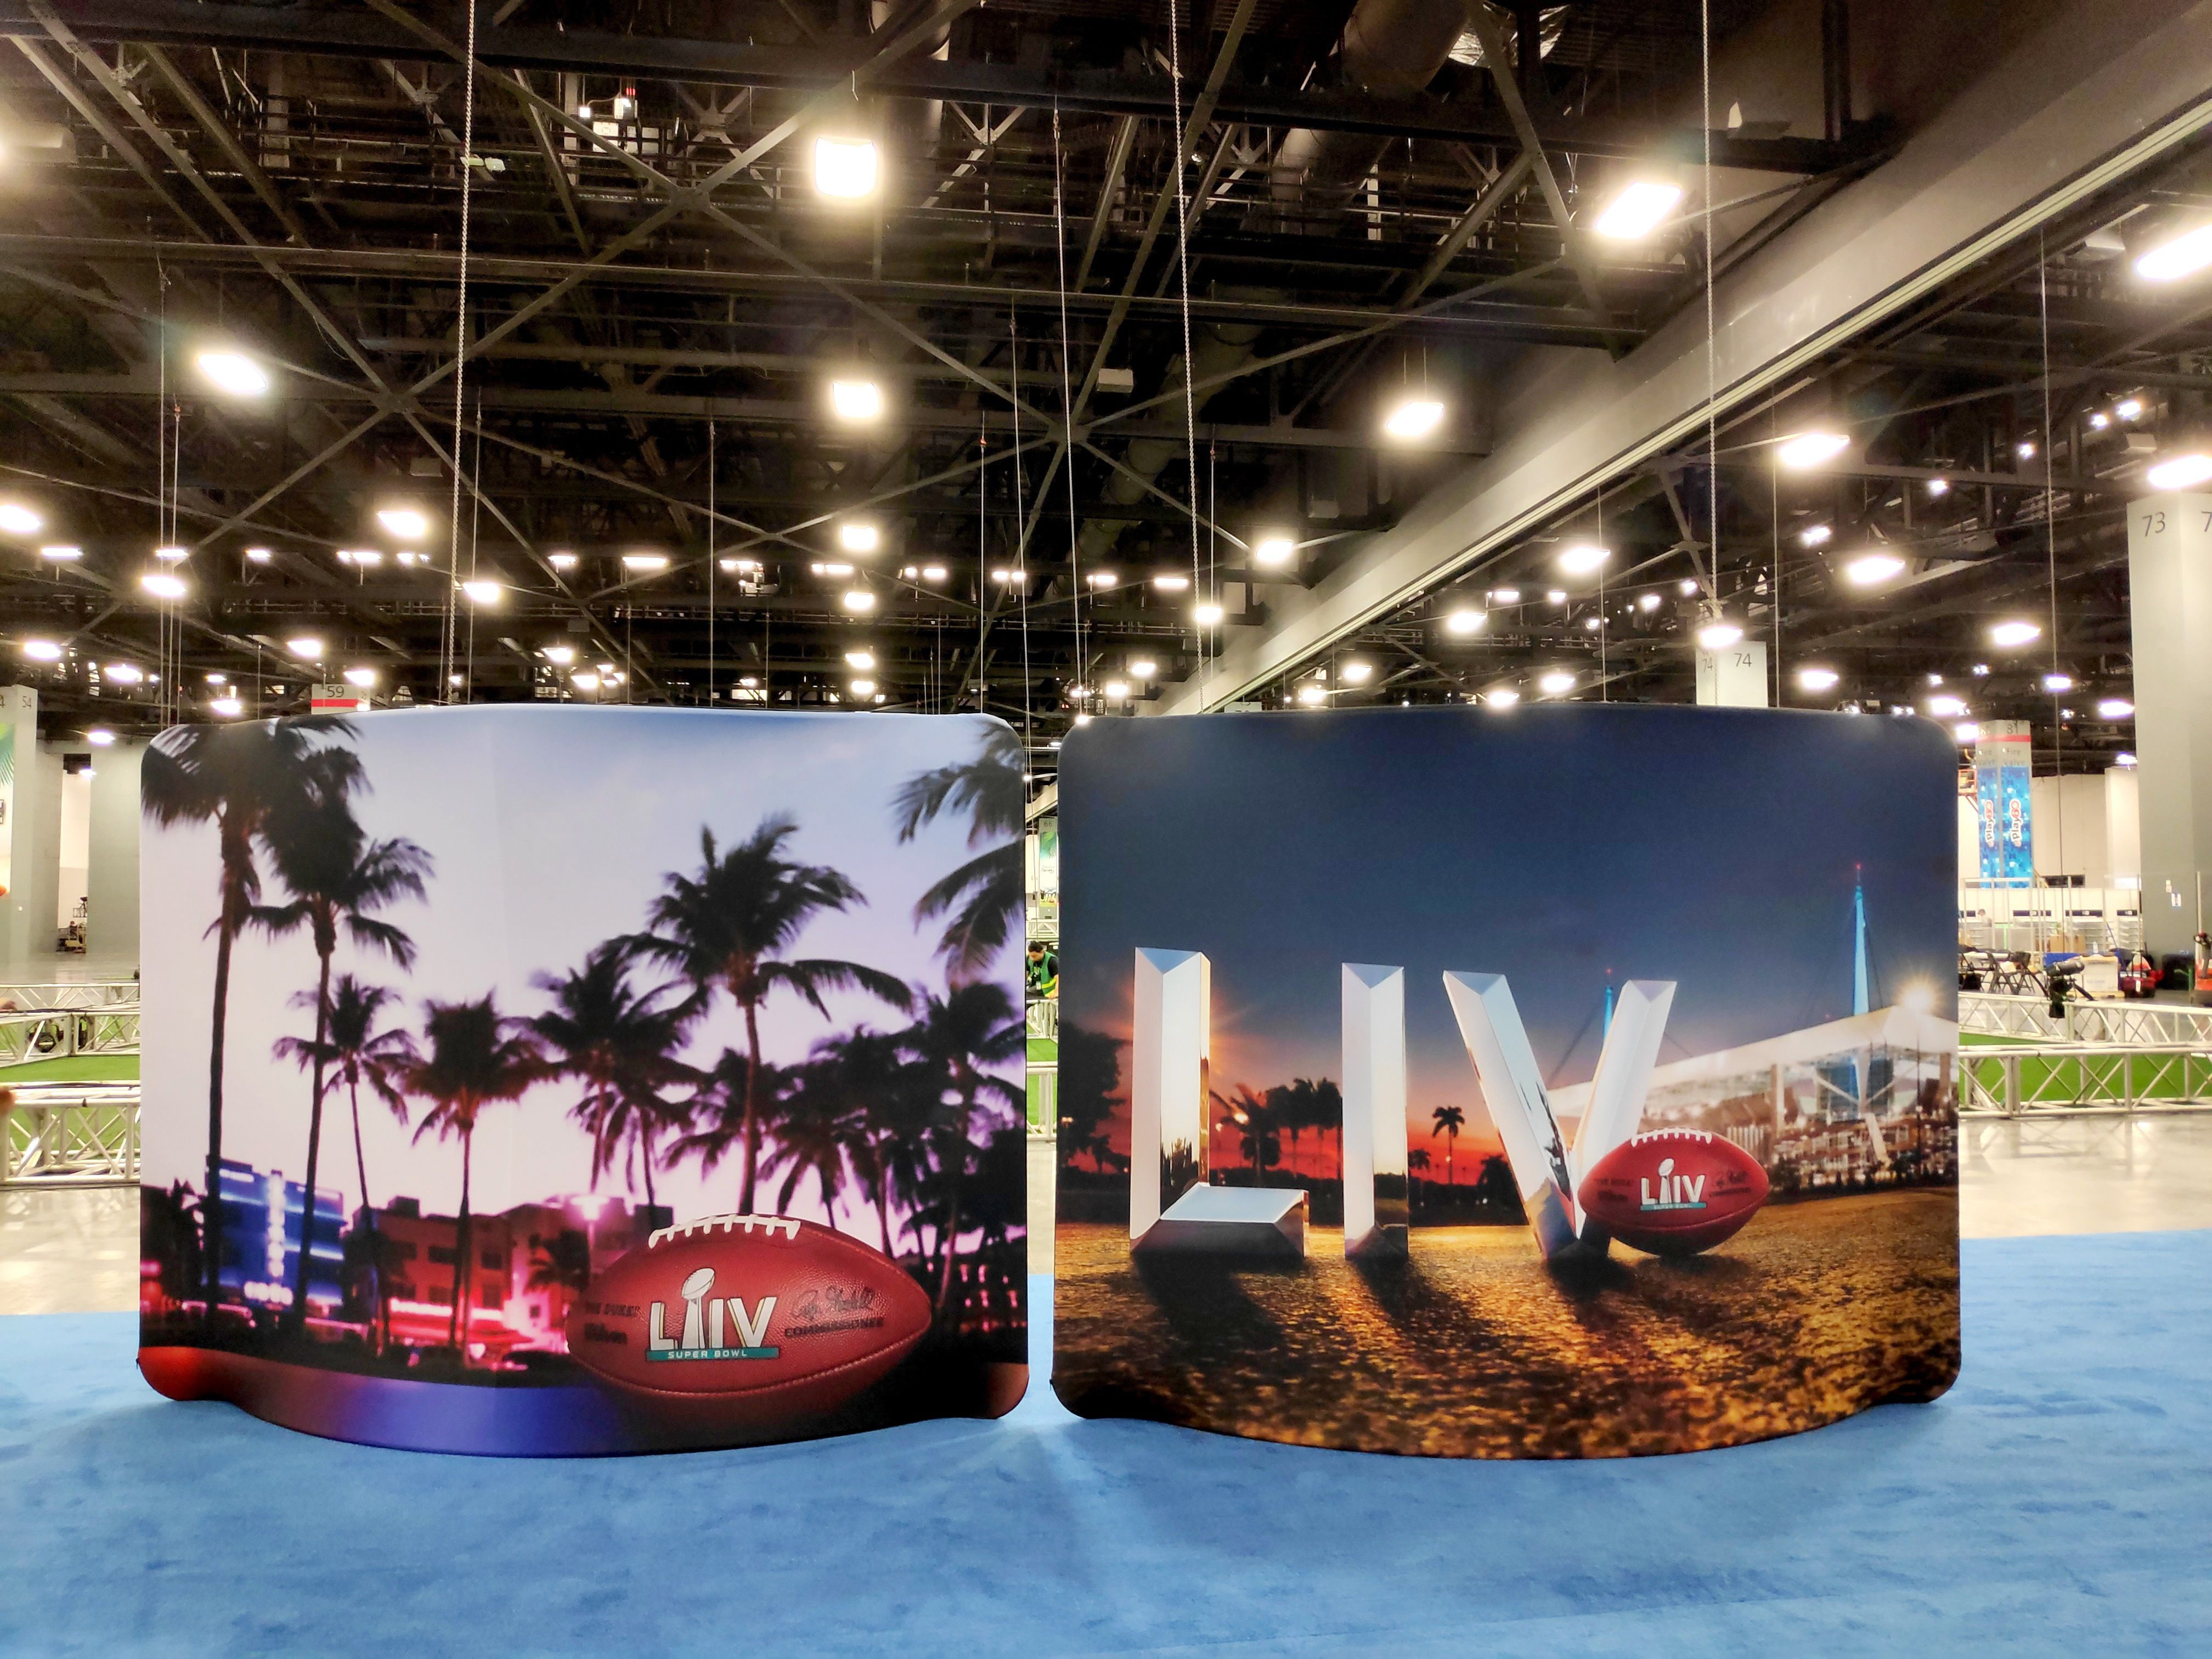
pixel 258 555
pixel 233 372
pixel 1077 693
pixel 162 585
pixel 1465 620
pixel 1274 550
pixel 2129 408
pixel 1718 634
pixel 1007 576
pixel 749 681
pixel 1815 535
pixel 404 522
pixel 1647 602
pixel 18 519
pixel 864 687
pixel 1870 569
pixel 1637 210
pixel 1591 624
pixel 2114 709
pixel 225 706
pixel 645 562
pixel 1312 696
pixel 366 556
pixel 1687 588
pixel 1818 679
pixel 861 659
pixel 1946 707
pixel 832 568
pixel 100 736
pixel 932 573
pixel 1083 718
pixel 1118 690
pixel 1356 673
pixel 1810 449
pixel 2177 256
pixel 2100 420
pixel 42 650
pixel 857 600
pixel 1557 683
pixel 1504 698
pixel 62 554
pixel 562 561
pixel 2025 450
pixel 1506 595
pixel 845 168
pixel 1583 558
pixel 2123 758
pixel 1144 668
pixel 584 680
pixel 1101 579
pixel 2182 472
pixel 361 677
pixel 481 592
pixel 856 400
pixel 411 559
pixel 2017 632
pixel 1967 732
pixel 1207 616
pixel 1171 583
pixel 560 655
pixel 2057 682
pixel 858 536
pixel 124 673
pixel 1939 486
pixel 1935 679
pixel 306 647
pixel 1556 596
pixel 216 678
pixel 1413 417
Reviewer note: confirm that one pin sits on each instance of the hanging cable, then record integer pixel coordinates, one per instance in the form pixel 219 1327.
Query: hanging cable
pixel 1199 595
pixel 1604 687
pixel 1021 577
pixel 2055 683
pixel 1067 404
pixel 982 555
pixel 461 366
pixel 710 568
pixel 476 519
pixel 1712 367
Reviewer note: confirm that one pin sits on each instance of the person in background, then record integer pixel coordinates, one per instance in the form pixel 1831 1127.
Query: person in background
pixel 1044 978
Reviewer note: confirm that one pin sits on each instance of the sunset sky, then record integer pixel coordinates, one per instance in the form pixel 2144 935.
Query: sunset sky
pixel 1556 844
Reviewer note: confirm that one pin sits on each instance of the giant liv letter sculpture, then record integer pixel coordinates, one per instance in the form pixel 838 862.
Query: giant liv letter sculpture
pixel 540 1131
pixel 1446 1129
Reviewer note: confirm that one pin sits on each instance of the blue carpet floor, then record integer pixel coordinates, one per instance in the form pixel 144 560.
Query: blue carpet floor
pixel 2059 1501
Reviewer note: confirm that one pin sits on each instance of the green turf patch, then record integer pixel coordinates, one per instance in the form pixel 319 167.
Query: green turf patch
pixel 75 1068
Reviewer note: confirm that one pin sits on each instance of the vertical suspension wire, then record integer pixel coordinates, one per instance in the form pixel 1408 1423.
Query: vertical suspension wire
pixel 1712 571
pixel 711 522
pixel 476 521
pixel 1198 594
pixel 461 373
pixel 1067 404
pixel 1021 520
pixel 1774 525
pixel 1604 625
pixel 982 556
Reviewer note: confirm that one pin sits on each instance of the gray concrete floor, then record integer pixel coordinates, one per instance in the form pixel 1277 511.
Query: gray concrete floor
pixel 76 1249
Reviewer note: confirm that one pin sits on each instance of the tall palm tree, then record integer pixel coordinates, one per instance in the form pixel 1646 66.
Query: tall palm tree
pixel 1417 1162
pixel 718 1111
pixel 1449 1120
pixel 886 1108
pixel 620 1044
pixel 983 896
pixel 337 876
pixel 353 1051
pixel 475 1057
pixel 231 776
pixel 972 1026
pixel 727 928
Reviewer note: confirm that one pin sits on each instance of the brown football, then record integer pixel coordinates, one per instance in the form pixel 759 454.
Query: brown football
pixel 1673 1192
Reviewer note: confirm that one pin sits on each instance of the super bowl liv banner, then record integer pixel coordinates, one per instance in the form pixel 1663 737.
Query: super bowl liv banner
pixel 1564 1081
pixel 553 1081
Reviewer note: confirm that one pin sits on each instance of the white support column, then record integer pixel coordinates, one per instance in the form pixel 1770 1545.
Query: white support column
pixel 2170 599
pixel 1169 1059
pixel 1375 1209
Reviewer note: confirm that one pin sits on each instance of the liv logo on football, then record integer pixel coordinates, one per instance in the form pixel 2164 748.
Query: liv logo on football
pixel 1675 1192
pixel 704 1328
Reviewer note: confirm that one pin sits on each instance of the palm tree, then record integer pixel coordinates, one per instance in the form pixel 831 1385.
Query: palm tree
pixel 1417 1161
pixel 231 776
pixel 351 1050
pixel 887 1107
pixel 564 1260
pixel 476 1057
pixel 336 876
pixel 983 896
pixel 718 1111
pixel 1449 1120
pixel 818 1124
pixel 620 1044
pixel 972 1026
pixel 728 927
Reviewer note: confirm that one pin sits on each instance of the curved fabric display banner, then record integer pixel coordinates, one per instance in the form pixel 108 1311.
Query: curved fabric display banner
pixel 1568 1081
pixel 564 1081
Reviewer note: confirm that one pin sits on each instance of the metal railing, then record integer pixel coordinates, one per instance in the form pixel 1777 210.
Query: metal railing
pixel 71 1134
pixel 2081 1077
pixel 87 993
pixel 26 1038
pixel 2107 1024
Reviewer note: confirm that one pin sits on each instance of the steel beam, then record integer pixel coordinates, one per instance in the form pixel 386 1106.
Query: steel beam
pixel 2100 90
